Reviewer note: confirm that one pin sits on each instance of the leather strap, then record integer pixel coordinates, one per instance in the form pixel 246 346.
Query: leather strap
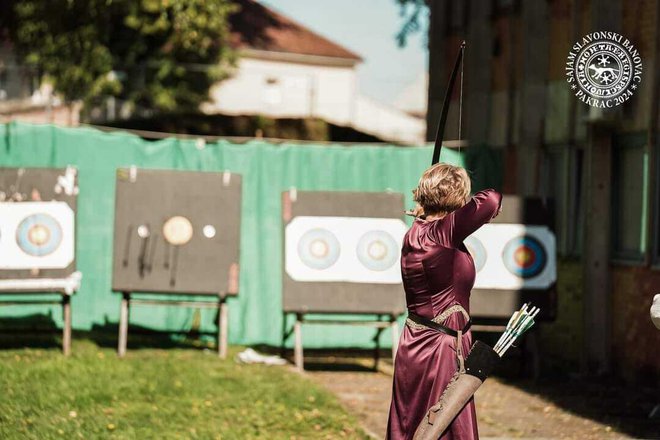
pixel 439 327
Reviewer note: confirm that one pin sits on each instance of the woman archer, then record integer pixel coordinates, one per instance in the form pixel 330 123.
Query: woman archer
pixel 438 273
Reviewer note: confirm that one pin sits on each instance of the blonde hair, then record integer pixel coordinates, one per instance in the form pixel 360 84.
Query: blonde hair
pixel 443 188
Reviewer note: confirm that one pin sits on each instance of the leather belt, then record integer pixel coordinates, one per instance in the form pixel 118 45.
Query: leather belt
pixel 439 327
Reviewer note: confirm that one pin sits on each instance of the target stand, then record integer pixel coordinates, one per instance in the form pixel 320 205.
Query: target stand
pixel 515 261
pixel 341 256
pixel 130 298
pixel 65 288
pixel 176 233
pixel 37 239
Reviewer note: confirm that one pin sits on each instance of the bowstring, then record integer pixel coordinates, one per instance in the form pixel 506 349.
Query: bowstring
pixel 460 105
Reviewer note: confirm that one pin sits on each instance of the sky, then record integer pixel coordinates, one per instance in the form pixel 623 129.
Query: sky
pixel 368 28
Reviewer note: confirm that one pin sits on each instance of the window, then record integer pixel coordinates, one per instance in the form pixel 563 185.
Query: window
pixel 630 177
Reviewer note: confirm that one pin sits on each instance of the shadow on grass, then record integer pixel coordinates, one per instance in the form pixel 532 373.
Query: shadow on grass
pixel 38 330
pixel 335 359
pixel 606 400
pixel 139 337
pixel 42 331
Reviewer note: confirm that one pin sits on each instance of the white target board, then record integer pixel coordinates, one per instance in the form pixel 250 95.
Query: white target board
pixel 513 256
pixel 348 249
pixel 36 235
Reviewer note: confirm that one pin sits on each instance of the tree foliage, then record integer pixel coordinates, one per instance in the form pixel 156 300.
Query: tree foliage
pixel 159 54
pixel 410 11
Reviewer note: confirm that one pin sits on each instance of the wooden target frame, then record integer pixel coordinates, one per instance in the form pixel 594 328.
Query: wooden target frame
pixel 486 304
pixel 37 238
pixel 176 233
pixel 340 286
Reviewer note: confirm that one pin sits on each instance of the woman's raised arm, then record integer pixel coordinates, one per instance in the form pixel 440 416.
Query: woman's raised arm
pixel 482 208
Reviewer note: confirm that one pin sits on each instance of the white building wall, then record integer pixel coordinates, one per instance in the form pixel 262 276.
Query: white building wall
pixel 388 122
pixel 282 89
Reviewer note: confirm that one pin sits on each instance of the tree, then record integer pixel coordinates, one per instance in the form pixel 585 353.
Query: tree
pixel 410 11
pixel 159 54
pixel 172 51
pixel 63 40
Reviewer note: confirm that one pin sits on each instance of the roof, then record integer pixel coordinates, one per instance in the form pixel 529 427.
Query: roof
pixel 256 26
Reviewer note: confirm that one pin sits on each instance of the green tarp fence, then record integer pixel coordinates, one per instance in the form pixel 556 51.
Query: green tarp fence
pixel 267 170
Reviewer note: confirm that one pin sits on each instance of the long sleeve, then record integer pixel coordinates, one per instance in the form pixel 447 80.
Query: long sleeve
pixel 484 206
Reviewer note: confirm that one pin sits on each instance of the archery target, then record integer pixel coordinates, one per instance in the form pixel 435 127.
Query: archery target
pixel 36 235
pixel 524 256
pixel 177 230
pixel 478 252
pixel 377 250
pixel 515 256
pixel 39 235
pixel 349 249
pixel 318 248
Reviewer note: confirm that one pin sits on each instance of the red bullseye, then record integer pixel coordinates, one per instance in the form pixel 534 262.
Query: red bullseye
pixel 524 256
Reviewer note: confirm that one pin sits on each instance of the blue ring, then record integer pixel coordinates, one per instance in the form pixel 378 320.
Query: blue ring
pixel 540 256
pixel 314 261
pixel 477 250
pixel 46 221
pixel 384 238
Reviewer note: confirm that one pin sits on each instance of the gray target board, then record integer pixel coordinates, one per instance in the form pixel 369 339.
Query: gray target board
pixel 342 252
pixel 176 232
pixel 37 222
pixel 527 214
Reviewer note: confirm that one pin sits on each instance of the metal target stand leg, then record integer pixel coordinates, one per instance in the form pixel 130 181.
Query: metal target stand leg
pixel 65 302
pixel 223 325
pixel 379 331
pixel 123 323
pixel 66 330
pixel 220 305
pixel 285 336
pixel 379 324
pixel 394 327
pixel 298 347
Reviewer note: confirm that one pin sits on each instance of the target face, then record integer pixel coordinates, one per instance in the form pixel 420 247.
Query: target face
pixel 318 249
pixel 513 256
pixel 524 256
pixel 176 232
pixel 43 235
pixel 477 250
pixel 350 249
pixel 39 235
pixel 377 250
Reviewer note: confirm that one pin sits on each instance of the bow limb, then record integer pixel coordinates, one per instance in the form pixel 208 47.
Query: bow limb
pixel 439 135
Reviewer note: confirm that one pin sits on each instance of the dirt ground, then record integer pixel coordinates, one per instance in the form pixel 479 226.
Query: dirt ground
pixel 510 408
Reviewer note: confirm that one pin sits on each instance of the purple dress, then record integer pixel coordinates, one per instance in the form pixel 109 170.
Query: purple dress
pixel 438 272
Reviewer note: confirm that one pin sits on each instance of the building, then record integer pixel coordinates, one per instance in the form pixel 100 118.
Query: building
pixel 284 71
pixel 24 97
pixel 288 71
pixel 600 166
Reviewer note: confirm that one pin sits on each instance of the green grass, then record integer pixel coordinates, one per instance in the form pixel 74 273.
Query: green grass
pixel 159 394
